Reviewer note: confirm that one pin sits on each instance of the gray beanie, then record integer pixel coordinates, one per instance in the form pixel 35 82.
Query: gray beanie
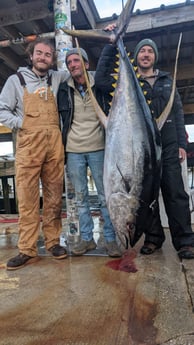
pixel 146 42
pixel 76 51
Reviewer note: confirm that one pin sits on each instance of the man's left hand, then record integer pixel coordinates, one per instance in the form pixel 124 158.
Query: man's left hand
pixel 182 154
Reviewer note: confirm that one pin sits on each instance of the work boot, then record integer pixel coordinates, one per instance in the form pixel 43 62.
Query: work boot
pixel 149 248
pixel 58 252
pixel 20 261
pixel 186 252
pixel 83 247
pixel 113 249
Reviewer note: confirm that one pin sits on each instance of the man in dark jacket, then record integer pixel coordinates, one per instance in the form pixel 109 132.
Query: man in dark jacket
pixel 158 85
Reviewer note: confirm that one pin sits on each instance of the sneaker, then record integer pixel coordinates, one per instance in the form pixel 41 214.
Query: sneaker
pixel 83 247
pixel 58 252
pixel 186 253
pixel 20 261
pixel 113 249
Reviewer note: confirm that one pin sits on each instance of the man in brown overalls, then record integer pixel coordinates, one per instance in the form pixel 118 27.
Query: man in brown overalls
pixel 27 104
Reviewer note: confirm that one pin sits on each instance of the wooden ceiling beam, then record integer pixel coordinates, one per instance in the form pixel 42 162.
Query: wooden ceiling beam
pixel 147 21
pixel 25 12
pixel 5 71
pixel 88 13
pixel 9 32
pixel 160 19
pixel 12 60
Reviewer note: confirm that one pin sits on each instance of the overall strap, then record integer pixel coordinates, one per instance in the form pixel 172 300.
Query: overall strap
pixel 49 81
pixel 23 83
pixel 21 78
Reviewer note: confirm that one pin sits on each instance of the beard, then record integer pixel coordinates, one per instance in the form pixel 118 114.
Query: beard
pixel 146 67
pixel 77 73
pixel 41 67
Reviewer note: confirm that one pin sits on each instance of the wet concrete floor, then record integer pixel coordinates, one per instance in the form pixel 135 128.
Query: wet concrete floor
pixel 95 300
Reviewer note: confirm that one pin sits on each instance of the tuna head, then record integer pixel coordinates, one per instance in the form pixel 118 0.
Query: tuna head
pixel 122 208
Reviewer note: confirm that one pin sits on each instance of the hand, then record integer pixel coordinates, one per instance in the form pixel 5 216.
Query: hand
pixel 182 154
pixel 110 27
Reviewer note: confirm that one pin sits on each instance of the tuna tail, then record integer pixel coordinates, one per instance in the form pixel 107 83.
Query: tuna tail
pixel 162 118
pixel 124 19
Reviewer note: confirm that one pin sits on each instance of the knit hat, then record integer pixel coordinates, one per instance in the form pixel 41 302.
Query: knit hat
pixel 146 42
pixel 76 51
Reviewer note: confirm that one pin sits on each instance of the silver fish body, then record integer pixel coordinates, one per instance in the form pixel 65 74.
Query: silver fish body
pixel 131 148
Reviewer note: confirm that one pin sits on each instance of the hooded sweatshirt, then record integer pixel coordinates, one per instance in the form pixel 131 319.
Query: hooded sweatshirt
pixel 11 97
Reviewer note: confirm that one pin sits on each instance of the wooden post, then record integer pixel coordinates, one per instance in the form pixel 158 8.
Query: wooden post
pixel 62 17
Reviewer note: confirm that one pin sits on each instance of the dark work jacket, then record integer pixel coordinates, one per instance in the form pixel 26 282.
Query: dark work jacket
pixel 65 100
pixel 173 130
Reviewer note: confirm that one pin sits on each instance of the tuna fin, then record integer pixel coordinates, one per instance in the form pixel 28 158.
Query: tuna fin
pixel 115 77
pixel 124 19
pixel 99 112
pixel 97 34
pixel 162 118
pixel 127 186
pixel 107 36
pixel 131 231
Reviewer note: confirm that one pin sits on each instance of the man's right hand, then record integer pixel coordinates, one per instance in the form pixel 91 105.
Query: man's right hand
pixel 110 27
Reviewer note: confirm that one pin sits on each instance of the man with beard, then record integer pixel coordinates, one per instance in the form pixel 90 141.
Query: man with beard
pixel 157 86
pixel 28 106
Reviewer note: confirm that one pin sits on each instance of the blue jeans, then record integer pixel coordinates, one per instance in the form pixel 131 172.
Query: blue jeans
pixel 77 164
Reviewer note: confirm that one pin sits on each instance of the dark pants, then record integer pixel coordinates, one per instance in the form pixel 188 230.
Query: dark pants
pixel 176 202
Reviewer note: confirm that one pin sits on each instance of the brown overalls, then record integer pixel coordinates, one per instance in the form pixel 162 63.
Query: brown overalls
pixel 39 156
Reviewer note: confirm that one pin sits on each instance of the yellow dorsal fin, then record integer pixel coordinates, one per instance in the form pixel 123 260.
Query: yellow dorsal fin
pixel 116 70
pixel 115 77
pixel 114 85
